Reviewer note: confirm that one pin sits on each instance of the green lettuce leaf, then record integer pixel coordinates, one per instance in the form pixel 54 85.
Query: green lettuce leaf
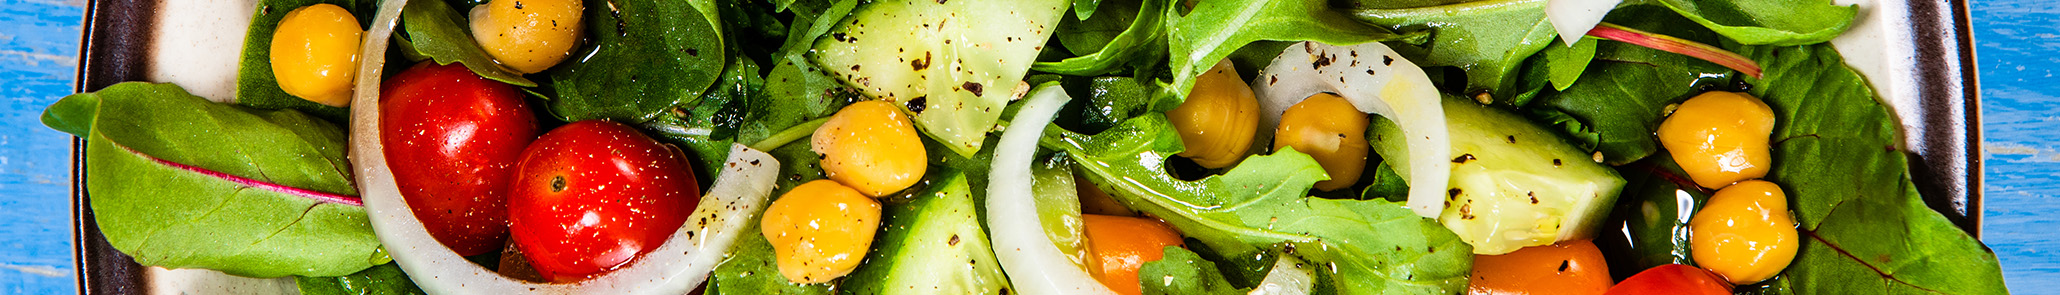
pixel 1216 28
pixel 385 279
pixel 1489 39
pixel 441 33
pixel 1837 151
pixel 1769 22
pixel 169 174
pixel 255 84
pixel 645 58
pixel 1373 246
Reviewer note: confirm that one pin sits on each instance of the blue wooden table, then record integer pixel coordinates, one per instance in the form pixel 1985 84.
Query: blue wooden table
pixel 2018 45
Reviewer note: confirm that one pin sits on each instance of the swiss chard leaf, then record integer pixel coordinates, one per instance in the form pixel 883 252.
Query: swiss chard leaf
pixel 255 84
pixel 646 57
pixel 385 279
pixel 1865 228
pixel 165 171
pixel 1488 39
pixel 1216 28
pixel 1373 246
pixel 439 32
pixel 1182 272
pixel 1769 22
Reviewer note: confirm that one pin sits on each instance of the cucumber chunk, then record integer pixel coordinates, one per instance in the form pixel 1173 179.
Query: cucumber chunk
pixel 954 65
pixel 1514 183
pixel 932 244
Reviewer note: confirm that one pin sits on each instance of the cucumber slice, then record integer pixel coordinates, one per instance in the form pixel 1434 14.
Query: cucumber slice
pixel 933 244
pixel 1514 183
pixel 953 64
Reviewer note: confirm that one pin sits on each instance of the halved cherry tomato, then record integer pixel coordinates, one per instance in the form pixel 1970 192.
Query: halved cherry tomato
pixel 593 195
pixel 1573 267
pixel 457 136
pixel 1678 279
pixel 1118 246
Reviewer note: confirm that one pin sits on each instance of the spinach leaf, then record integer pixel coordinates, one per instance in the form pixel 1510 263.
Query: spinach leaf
pixel 385 279
pixel 1489 39
pixel 180 182
pixel 1564 64
pixel 255 84
pixel 1837 151
pixel 1184 273
pixel 439 32
pixel 1373 246
pixel 1216 28
pixel 1624 92
pixel 1652 215
pixel 1769 22
pixel 646 57
pixel 707 125
pixel 750 267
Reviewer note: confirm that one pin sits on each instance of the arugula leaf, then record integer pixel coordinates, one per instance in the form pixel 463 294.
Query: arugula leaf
pixel 385 279
pixel 1182 272
pixel 255 85
pixel 1838 154
pixel 1216 28
pixel 1769 22
pixel 1108 44
pixel 170 183
pixel 1374 246
pixel 1488 39
pixel 646 57
pixel 439 32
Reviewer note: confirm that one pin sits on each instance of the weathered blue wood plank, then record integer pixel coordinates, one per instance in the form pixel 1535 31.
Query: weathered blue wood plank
pixel 39 43
pixel 2016 42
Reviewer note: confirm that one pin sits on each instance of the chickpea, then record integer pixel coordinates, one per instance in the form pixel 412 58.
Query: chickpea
pixel 1720 138
pixel 820 230
pixel 1218 119
pixel 528 36
pixel 315 54
pixel 872 147
pixel 1744 233
pixel 1328 128
pixel 1119 246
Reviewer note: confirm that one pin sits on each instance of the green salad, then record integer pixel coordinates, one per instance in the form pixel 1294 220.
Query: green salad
pixel 1029 147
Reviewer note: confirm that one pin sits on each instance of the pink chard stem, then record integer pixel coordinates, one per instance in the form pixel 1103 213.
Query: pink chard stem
pixel 260 184
pixel 1666 43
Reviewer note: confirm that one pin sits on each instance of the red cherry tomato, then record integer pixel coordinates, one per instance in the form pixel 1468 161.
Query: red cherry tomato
pixel 593 195
pixel 1673 279
pixel 1573 267
pixel 455 137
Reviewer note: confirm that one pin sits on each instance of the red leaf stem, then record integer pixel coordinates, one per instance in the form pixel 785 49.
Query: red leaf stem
pixel 1666 43
pixel 319 196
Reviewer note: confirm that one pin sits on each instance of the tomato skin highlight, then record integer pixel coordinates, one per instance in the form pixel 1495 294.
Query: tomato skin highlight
pixel 1673 279
pixel 459 136
pixel 1572 267
pixel 593 195
pixel 1119 246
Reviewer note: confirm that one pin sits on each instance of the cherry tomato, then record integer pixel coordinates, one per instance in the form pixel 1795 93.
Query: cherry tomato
pixel 1573 267
pixel 458 137
pixel 593 195
pixel 1678 279
pixel 1118 246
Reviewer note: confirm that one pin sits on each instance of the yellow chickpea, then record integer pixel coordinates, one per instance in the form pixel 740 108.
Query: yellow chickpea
pixel 872 147
pixel 1720 137
pixel 528 36
pixel 820 230
pixel 1744 232
pixel 315 54
pixel 1328 128
pixel 1218 119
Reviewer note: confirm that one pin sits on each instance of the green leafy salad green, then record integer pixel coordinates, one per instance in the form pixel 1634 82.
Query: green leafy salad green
pixel 1553 143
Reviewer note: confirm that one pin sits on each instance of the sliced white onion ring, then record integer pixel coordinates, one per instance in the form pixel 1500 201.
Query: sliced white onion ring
pixel 1376 80
pixel 676 267
pixel 1035 265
